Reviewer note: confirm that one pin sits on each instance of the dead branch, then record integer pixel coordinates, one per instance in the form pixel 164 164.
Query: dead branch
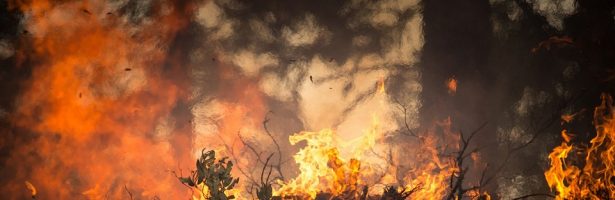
pixel 456 183
pixel 278 166
pixel 234 157
pixel 536 128
pixel 403 108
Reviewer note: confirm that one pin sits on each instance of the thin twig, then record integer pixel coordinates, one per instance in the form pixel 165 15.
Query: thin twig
pixel 456 183
pixel 405 111
pixel 277 146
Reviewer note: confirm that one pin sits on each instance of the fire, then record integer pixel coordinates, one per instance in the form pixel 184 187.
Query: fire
pixel 433 174
pixel 566 136
pixel 31 188
pixel 98 103
pixel 451 84
pixel 425 174
pixel 320 167
pixel 381 88
pixel 567 118
pixel 594 180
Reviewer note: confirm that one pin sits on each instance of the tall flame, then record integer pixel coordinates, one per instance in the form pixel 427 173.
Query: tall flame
pixel 98 103
pixel 322 169
pixel 596 179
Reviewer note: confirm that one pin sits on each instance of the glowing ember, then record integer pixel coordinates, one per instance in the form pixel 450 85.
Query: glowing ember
pixel 451 85
pixel 567 118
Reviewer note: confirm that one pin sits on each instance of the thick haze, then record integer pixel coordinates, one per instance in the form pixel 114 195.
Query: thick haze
pixel 155 82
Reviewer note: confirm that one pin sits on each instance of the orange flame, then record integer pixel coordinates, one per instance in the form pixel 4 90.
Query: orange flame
pixel 31 188
pixel 595 179
pixel 320 168
pixel 451 84
pixel 99 103
pixel 567 118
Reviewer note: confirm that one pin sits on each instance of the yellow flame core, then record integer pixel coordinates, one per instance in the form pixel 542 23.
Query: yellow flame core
pixel 321 169
pixel 596 179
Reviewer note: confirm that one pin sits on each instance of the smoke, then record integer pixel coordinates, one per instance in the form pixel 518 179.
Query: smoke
pixel 304 33
pixel 6 49
pixel 119 95
pixel 555 11
pixel 256 64
pixel 124 93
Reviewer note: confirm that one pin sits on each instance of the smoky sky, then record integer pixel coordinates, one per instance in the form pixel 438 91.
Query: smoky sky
pixel 311 65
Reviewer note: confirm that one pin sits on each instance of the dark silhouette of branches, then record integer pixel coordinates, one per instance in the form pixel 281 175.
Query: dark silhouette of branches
pixel 536 129
pixel 398 193
pixel 278 167
pixel 403 108
pixel 456 184
pixel 265 191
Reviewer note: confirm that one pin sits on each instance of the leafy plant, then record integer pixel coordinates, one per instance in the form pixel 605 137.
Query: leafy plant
pixel 216 176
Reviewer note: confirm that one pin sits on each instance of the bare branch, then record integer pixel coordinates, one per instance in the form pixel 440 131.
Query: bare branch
pixel 277 146
pixel 405 111
pixel 234 157
pixel 456 183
